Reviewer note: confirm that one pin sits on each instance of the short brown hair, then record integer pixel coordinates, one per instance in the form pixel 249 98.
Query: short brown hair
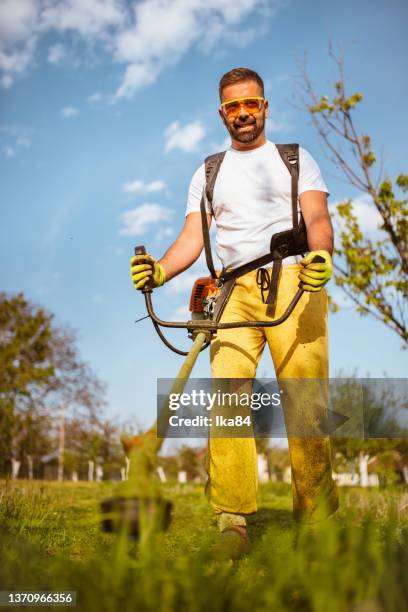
pixel 236 75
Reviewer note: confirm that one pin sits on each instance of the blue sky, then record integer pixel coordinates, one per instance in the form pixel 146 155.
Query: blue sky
pixel 107 108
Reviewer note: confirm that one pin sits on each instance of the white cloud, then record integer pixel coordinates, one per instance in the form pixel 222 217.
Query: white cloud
pixel 23 141
pixel 89 18
pixel 14 62
pixel 181 313
pixel 138 221
pixel 182 283
pixel 16 138
pixel 24 22
pixel 149 49
pixel 225 144
pixel 9 152
pixel 146 36
pixel 134 187
pixel 186 138
pixel 6 81
pixel 69 111
pixel 94 98
pixel 141 187
pixel 367 215
pixel 18 37
pixel 282 125
pixel 55 53
pixel 156 186
pixel 163 232
pixel 17 20
pixel 339 297
pixel 136 77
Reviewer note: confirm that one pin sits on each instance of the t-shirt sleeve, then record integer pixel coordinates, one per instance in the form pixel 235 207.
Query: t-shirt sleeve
pixel 195 192
pixel 310 177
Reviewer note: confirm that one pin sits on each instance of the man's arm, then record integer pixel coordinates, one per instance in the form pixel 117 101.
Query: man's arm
pixel 187 247
pixel 319 228
pixel 313 276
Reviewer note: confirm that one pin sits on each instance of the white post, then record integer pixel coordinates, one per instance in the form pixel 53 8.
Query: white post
pixel 182 476
pixel 98 473
pixel 61 447
pixel 161 474
pixel 30 467
pixel 91 466
pixel 15 468
pixel 263 474
pixel 363 469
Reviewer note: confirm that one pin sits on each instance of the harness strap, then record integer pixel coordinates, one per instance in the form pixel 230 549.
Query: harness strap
pixel 206 238
pixel 273 291
pixel 283 244
pixel 270 284
pixel 212 166
pixel 290 157
pixel 248 267
pixel 222 299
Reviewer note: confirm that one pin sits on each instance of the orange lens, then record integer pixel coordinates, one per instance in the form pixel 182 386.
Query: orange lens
pixel 250 105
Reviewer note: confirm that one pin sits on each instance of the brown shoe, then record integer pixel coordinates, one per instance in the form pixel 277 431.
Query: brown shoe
pixel 233 543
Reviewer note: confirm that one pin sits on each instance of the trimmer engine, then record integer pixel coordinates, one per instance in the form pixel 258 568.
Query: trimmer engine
pixel 203 297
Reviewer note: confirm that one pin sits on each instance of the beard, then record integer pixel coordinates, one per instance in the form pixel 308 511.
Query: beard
pixel 248 131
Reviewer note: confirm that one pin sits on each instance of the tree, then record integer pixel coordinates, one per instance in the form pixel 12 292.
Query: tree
pixel 376 426
pixel 40 374
pixel 25 351
pixel 371 271
pixel 97 441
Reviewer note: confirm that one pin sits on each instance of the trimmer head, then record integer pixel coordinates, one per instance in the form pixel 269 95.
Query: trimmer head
pixel 135 515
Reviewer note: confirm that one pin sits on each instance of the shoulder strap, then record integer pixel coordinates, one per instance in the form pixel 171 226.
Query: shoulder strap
pixel 212 166
pixel 290 157
pixel 206 238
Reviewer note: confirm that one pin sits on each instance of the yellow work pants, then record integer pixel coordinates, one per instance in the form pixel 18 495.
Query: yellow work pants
pixel 299 350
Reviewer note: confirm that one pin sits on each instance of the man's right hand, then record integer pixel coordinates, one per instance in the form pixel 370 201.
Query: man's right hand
pixel 144 268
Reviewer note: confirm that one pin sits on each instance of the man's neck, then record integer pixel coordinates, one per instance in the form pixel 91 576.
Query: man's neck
pixel 248 146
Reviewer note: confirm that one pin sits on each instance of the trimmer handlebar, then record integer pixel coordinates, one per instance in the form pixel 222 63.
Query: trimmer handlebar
pixel 207 325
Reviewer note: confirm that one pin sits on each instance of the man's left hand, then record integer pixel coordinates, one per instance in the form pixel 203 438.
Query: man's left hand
pixel 314 276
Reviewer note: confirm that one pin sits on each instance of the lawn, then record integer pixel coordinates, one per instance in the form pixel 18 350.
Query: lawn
pixel 51 540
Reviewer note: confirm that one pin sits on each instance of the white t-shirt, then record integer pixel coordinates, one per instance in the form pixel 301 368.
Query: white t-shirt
pixel 252 200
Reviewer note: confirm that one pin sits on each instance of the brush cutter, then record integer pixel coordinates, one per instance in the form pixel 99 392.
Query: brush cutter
pixel 140 509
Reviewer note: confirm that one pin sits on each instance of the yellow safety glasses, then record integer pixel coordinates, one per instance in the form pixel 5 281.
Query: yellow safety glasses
pixel 252 105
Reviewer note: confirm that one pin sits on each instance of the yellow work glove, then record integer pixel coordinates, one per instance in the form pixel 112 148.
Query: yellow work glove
pixel 314 276
pixel 144 268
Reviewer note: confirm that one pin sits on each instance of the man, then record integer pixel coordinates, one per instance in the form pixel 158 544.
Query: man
pixel 251 202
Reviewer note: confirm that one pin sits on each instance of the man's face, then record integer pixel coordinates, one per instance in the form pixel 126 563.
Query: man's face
pixel 245 127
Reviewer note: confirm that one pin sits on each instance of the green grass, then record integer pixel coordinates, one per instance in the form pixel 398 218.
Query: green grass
pixel 51 540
